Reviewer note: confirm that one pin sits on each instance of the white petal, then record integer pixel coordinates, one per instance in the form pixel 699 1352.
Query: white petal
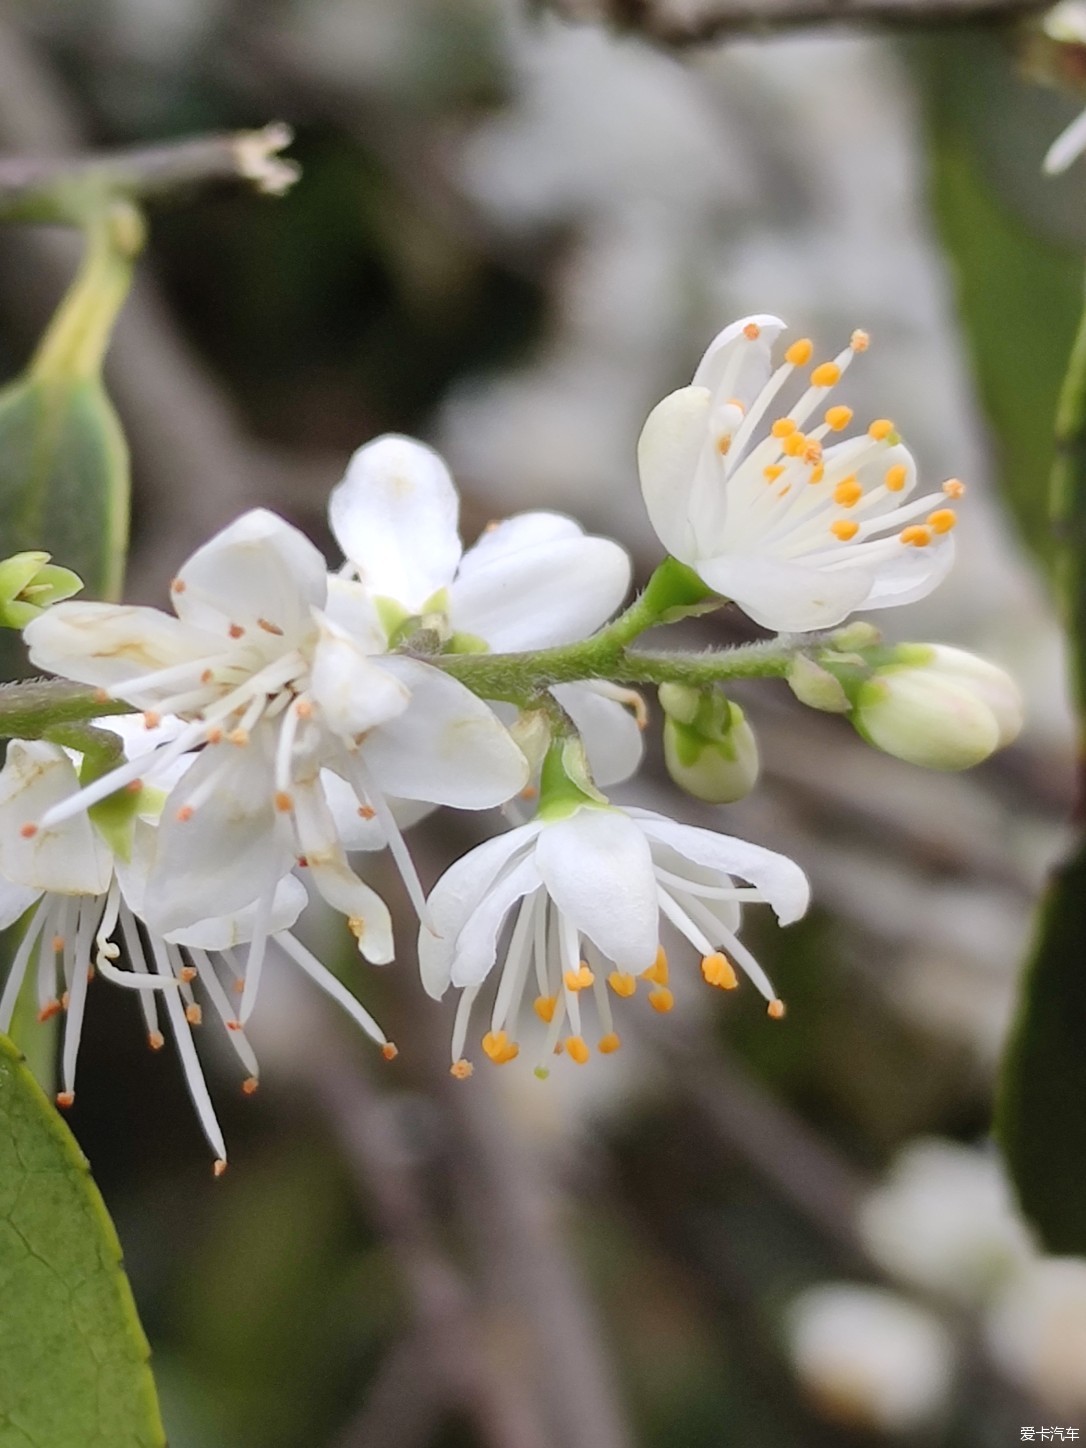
pixel 779 878
pixel 351 606
pixel 456 897
pixel 785 596
pixel 668 453
pixel 257 572
pixel 448 747
pixel 913 573
pixel 598 869
pixel 357 830
pixel 221 859
pixel 104 643
pixel 225 931
pixel 477 946
pixel 15 900
pixel 524 586
pixel 754 357
pixel 1067 147
pixel 610 733
pixel 70 858
pixel 395 517
pixel 353 691
pixel 333 877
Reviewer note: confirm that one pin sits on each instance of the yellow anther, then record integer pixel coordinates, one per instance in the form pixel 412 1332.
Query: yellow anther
pixel 896 478
pixel 827 374
pixel 577 1049
pixel 775 1010
pixel 880 429
pixel 657 971
pixel 661 999
pixel 848 492
pixel 390 1050
pixel 844 529
pixel 954 488
pixel 794 444
pixel 773 472
pixel 838 418
pixel 818 472
pixel 608 1044
pixel 812 453
pixel 500 1048
pixel 917 536
pixel 859 341
pixel 719 971
pixel 723 443
pixel 544 1007
pixel 799 354
pixel 783 427
pixel 579 979
pixel 942 520
pixel 461 1069
pixel 622 984
pixel 752 331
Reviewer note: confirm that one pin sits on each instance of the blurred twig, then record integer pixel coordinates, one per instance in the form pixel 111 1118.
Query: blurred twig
pixel 681 23
pixel 54 190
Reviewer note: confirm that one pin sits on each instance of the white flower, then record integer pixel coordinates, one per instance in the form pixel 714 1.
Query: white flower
pixel 592 889
pixel 1066 23
pixel 85 881
pixel 797 533
pixel 530 582
pixel 944 1221
pixel 1038 1332
pixel 868 1358
pixel 277 683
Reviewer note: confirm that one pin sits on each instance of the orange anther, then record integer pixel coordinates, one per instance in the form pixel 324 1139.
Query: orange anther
pixel 848 492
pixel 579 979
pixel 235 630
pixel 178 585
pixel 954 488
pixel 609 1044
pixel 156 1040
pixel 859 341
pixel 219 1167
pixel 880 429
pixel 500 1048
pixel 896 478
pixel 783 427
pixel 194 1015
pixel 390 1050
pixel 799 354
pixel 269 627
pixel 723 443
pixel 826 375
pixel 207 676
pixel 185 813
pixel 942 520
pixel 775 1010
pixel 544 1007
pixel 28 831
pixel 249 1085
pixel 49 1010
pixel 65 1099
pixel 134 786
pixel 283 802
pixel 366 812
pixel 214 735
pixel 773 472
pixel 844 529
pixel 657 971
pixel 151 719
pixel 661 999
pixel 818 472
pixel 752 331
pixel 838 418
pixel 577 1049
pixel 718 970
pixel 622 983
pixel 916 537
pixel 794 444
pixel 461 1069
pixel 186 973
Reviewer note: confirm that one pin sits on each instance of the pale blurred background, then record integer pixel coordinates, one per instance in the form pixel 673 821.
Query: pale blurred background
pixel 512 236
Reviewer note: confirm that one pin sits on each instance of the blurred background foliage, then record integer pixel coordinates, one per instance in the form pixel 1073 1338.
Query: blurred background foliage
pixel 513 234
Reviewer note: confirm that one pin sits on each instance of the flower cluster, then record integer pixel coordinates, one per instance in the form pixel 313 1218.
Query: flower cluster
pixel 293 716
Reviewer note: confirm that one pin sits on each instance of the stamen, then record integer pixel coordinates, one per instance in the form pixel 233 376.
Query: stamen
pixel 718 970
pixel 65 1099
pixel 657 971
pixel 859 341
pixel 579 979
pixel 848 492
pixel 28 831
pixel 156 1040
pixel 269 627
pixel 250 1085
pixel 283 802
pixel 954 488
pixel 461 1069
pixel 178 585
pixel 578 1050
pixel 799 354
pixel 622 983
pixel 219 1167
pixel 880 429
pixel 235 630
pixel 752 331
pixel 942 520
pixel 845 529
pixel 390 1050
pixel 775 1009
pixel 544 1007
pixel 773 472
pixel 838 418
pixel 500 1048
pixel 916 536
pixel 783 427
pixel 194 1015
pixel 896 478
pixel 330 985
pixel 827 374
pixel 661 999
pixel 609 1043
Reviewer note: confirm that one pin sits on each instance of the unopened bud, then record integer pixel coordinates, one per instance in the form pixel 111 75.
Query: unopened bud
pixel 709 748
pixel 816 687
pixel 29 583
pixel 939 707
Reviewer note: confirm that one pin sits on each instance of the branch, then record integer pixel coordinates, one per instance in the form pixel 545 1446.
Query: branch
pixel 60 190
pixel 679 24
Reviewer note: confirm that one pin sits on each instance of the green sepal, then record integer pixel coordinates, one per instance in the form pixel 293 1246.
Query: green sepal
pixel 565 784
pixel 675 591
pixel 115 816
pixel 465 643
pixel 391 615
pixel 29 583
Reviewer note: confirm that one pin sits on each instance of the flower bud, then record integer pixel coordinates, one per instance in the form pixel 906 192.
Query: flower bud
pixel 816 687
pixel 709 748
pixel 939 707
pixel 30 583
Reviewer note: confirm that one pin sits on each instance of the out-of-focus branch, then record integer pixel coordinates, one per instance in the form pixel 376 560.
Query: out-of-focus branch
pixel 452 1350
pixel 61 190
pixel 402 1410
pixel 682 23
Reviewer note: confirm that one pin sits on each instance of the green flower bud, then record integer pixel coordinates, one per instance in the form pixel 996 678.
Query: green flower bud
pixel 709 748
pixel 30 583
pixel 939 707
pixel 816 687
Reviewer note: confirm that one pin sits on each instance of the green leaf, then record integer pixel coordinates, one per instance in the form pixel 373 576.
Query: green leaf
pixel 1041 1113
pixel 73 1358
